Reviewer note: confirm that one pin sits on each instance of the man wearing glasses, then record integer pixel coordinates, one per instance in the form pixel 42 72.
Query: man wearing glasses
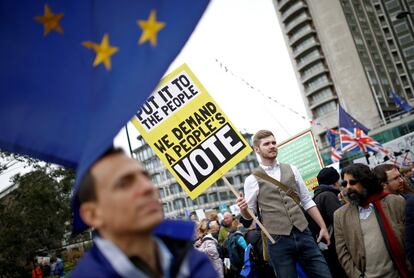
pixel 392 180
pixel 369 231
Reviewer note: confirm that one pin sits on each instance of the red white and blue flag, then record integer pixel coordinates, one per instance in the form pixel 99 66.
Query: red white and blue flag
pixel 353 135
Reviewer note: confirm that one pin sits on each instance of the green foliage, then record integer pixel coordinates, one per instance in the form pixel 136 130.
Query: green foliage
pixel 34 217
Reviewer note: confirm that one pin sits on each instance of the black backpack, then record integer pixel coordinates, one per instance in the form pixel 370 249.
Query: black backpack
pixel 234 250
pixel 221 250
pixel 260 266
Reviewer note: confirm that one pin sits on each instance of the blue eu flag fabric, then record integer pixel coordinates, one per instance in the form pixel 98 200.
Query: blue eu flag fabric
pixel 346 121
pixel 400 102
pixel 73 72
pixel 331 136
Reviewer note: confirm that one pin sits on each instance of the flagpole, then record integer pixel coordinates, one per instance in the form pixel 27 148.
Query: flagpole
pixel 367 157
pixel 379 106
pixel 129 141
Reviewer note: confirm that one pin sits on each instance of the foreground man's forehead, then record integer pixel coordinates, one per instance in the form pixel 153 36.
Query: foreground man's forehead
pixel 113 165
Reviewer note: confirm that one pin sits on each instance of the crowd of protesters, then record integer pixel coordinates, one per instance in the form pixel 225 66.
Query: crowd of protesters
pixel 359 223
pixel 368 214
pixel 53 268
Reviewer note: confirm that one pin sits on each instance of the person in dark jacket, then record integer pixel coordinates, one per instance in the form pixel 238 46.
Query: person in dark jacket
pixel 117 198
pixel 326 198
pixel 409 229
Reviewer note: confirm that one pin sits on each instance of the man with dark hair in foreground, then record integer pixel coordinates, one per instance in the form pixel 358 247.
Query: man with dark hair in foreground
pixel 369 231
pixel 117 198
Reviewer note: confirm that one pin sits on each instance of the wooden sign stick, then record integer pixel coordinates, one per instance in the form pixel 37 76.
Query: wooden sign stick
pixel 226 181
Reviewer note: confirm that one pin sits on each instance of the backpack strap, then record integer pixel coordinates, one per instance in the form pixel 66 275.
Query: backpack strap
pixel 289 191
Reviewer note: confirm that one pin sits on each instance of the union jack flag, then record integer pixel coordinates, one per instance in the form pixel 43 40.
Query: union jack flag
pixel 336 154
pixel 353 135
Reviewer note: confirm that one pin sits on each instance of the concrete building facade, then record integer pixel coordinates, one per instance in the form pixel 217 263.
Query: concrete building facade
pixel 350 52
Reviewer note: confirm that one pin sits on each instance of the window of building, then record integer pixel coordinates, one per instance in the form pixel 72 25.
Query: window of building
pixel 202 199
pixel 392 5
pixel 317 82
pixel 213 197
pixel 304 44
pixel 162 192
pixel 237 179
pixel 224 196
pixel 385 81
pixel 190 202
pixel 179 203
pixel 400 27
pixel 168 175
pixel 165 208
pixel 310 70
pixel 310 56
pixel 320 96
pixel 409 92
pixel 324 109
pixel 358 40
pixel 156 178
pixel 298 33
pixel 295 20
pixel 407 39
pixel 175 188
pixel 409 51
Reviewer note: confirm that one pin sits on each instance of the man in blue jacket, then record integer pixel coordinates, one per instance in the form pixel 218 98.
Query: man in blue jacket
pixel 117 198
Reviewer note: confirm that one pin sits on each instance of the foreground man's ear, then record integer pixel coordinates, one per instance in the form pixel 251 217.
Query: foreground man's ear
pixel 90 214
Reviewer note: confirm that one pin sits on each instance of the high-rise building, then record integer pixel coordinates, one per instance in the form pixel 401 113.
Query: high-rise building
pixel 351 52
pixel 176 202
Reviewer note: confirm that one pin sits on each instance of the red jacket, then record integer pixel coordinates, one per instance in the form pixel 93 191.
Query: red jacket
pixel 37 272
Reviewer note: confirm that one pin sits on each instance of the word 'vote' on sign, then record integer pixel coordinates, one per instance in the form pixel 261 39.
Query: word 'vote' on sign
pixel 208 157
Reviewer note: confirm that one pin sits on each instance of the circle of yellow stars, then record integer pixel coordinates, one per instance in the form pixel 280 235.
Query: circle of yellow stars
pixel 103 50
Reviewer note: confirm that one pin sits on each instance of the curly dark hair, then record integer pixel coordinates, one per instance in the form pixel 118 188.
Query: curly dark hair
pixel 363 174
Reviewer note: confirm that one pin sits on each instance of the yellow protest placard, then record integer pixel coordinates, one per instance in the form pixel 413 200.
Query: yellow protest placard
pixel 189 132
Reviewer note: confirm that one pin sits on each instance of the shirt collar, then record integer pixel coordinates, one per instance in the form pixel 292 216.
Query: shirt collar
pixel 271 167
pixel 370 207
pixel 123 266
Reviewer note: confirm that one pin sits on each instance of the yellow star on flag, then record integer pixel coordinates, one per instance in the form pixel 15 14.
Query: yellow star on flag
pixel 50 21
pixel 104 51
pixel 150 28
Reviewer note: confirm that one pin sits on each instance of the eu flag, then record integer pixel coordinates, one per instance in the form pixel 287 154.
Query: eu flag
pixel 331 136
pixel 400 102
pixel 346 121
pixel 73 72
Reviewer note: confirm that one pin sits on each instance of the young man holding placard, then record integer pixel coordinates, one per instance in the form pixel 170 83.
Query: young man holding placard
pixel 275 190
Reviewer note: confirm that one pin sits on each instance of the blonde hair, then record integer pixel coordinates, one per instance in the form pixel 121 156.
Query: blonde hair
pixel 202 227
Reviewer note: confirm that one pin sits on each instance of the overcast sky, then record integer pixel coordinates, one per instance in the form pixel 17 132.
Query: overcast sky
pixel 245 37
